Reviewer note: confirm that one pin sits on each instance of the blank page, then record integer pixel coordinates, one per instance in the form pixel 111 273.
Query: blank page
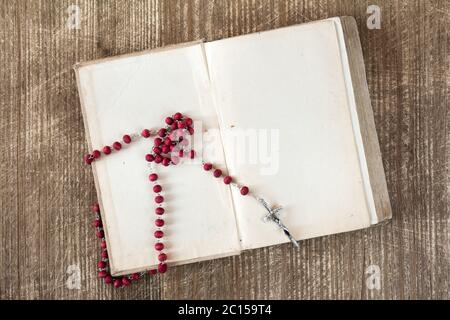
pixel 290 132
pixel 128 94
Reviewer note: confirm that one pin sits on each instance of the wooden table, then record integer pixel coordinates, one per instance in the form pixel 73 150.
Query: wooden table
pixel 45 231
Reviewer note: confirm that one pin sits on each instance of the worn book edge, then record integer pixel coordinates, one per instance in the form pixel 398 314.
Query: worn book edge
pixel 372 153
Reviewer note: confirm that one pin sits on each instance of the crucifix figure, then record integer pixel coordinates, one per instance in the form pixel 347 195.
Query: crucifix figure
pixel 273 215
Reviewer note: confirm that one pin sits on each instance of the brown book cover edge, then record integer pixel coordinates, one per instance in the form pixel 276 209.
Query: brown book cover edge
pixel 366 119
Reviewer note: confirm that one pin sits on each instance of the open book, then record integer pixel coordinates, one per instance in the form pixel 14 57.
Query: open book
pixel 286 112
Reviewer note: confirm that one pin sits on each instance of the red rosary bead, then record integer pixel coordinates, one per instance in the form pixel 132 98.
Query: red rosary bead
pixel 177 116
pixel 103 244
pixel 181 153
pixel 159 222
pixel 157 150
pixel 158 234
pixel 167 141
pixel 227 180
pixel 126 281
pixel 157 188
pixel 162 257
pixel 104 254
pixel 152 272
pixel 162 268
pixel 159 246
pixel 159 199
pixel 95 208
pixel 106 150
pixel 108 279
pixel 126 138
pixel 217 173
pixel 162 132
pixel 244 191
pixel 135 276
pixel 192 154
pixel 102 274
pixel 165 149
pixel 117 283
pixel 149 157
pixel 169 121
pixel 191 130
pixel 97 223
pixel 166 162
pixel 101 264
pixel 100 234
pixel 158 159
pixel 159 211
pixel 189 122
pixel 207 166
pixel 153 177
pixel 88 158
pixel 117 145
pixel 145 133
pixel 157 142
pixel 96 154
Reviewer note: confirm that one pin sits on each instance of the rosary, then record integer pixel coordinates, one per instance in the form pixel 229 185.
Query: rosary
pixel 170 145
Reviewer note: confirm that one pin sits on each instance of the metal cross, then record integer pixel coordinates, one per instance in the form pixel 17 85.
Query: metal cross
pixel 273 215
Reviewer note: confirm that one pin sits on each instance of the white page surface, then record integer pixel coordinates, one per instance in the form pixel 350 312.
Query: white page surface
pixel 127 95
pixel 287 88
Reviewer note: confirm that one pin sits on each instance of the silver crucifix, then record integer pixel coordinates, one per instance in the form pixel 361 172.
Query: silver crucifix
pixel 273 215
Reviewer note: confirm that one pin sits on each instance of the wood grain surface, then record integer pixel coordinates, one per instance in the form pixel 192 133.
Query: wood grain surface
pixel 45 224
